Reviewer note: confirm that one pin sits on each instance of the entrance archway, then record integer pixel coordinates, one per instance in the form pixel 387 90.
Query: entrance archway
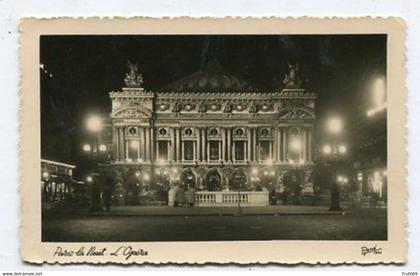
pixel 238 180
pixel 188 179
pixel 214 181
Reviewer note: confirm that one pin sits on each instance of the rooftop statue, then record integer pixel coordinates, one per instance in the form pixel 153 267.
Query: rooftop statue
pixel 292 78
pixel 133 78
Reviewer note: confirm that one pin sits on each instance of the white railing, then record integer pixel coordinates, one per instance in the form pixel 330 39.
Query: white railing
pixel 231 198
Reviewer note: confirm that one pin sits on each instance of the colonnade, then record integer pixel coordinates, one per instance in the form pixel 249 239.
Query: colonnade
pixel 279 142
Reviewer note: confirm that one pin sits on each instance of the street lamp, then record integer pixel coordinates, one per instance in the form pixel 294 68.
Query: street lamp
pixel 335 125
pixel 94 124
pixel 334 152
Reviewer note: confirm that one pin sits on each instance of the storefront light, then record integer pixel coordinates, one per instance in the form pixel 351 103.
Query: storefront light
pixel 342 149
pixel 326 149
pixel 87 147
pixel 254 171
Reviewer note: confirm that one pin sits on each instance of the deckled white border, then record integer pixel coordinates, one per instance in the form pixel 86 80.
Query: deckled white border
pixel 251 252
pixel 12 10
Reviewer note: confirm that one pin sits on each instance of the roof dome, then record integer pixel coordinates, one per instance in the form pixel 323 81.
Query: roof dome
pixel 212 78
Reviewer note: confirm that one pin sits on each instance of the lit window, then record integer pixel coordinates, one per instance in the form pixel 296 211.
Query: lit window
pixel 214 150
pixel 239 150
pixel 265 150
pixel 163 150
pixel 189 150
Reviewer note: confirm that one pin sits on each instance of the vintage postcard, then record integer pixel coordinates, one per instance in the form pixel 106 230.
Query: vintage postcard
pixel 217 141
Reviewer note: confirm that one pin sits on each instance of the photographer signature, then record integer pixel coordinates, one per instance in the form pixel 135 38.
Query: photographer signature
pixel 371 250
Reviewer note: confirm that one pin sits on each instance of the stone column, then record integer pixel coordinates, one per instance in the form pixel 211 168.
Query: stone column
pixel 310 145
pixel 173 146
pixel 204 144
pixel 274 143
pixel 142 143
pixel 122 144
pixel 254 144
pixel 224 144
pixel 147 157
pixel 114 143
pixel 198 143
pixel 284 142
pixel 278 143
pixel 304 144
pixel 152 144
pixel 178 143
pixel 229 144
pixel 249 145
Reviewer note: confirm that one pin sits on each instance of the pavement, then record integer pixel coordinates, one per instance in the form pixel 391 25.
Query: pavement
pixel 363 224
pixel 214 211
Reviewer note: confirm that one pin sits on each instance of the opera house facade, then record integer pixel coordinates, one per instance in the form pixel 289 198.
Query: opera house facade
pixel 212 131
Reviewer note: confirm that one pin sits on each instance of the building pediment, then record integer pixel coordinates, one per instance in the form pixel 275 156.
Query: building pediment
pixel 132 112
pixel 296 113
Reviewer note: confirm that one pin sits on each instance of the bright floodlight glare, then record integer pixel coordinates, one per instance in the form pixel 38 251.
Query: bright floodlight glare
pixel 378 92
pixel 342 149
pixel 87 147
pixel 295 144
pixel 335 125
pixel 102 147
pixel 327 149
pixel 94 124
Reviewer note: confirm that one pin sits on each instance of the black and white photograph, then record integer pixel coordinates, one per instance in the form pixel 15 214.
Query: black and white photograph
pixel 202 137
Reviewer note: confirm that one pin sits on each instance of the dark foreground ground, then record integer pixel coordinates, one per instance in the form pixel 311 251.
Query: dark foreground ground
pixel 367 224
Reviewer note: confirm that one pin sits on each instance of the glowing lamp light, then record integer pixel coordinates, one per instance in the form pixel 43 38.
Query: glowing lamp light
pixel 345 180
pixel 265 173
pixel 102 147
pixel 342 149
pixel 272 173
pixel 335 125
pixel 89 179
pixel 139 160
pixel 45 174
pixel 326 149
pixel 137 174
pixel 269 162
pixel 378 92
pixel 87 147
pixel 340 179
pixel 175 170
pixel 94 124
pixel 254 171
pixel 146 177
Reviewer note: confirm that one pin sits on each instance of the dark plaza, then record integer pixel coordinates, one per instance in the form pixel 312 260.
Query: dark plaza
pixel 213 121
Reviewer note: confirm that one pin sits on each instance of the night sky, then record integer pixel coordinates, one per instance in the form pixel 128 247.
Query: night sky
pixel 84 69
